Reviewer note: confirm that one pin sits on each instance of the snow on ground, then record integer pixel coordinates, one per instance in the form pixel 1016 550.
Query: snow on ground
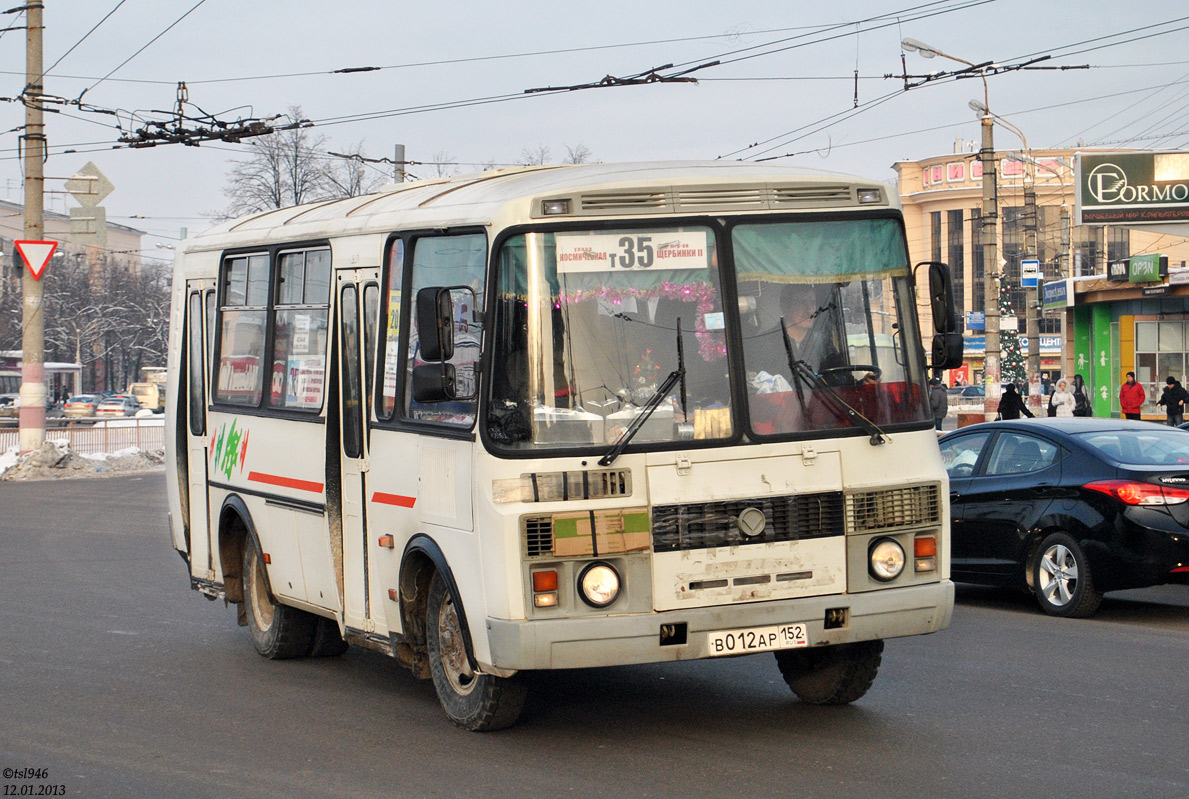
pixel 8 459
pixel 55 460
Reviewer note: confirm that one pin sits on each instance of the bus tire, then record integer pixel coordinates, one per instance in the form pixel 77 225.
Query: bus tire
pixel 831 675
pixel 328 641
pixel 476 702
pixel 278 631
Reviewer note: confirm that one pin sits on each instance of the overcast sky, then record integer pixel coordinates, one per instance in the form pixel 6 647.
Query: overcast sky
pixel 787 79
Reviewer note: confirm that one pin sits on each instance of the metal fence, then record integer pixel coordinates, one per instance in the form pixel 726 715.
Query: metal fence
pixel 99 437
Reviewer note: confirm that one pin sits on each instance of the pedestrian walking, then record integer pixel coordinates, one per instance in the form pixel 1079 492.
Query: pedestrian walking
pixel 1173 399
pixel 939 401
pixel 1081 397
pixel 1062 401
pixel 1011 404
pixel 1131 397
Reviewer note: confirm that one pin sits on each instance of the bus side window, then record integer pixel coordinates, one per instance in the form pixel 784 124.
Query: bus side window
pixel 194 366
pixel 243 315
pixel 371 309
pixel 391 334
pixel 459 260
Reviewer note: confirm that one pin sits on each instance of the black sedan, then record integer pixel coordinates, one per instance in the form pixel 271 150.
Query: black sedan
pixel 1069 508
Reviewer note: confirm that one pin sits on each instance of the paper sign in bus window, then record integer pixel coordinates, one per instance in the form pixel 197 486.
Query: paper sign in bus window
pixel 631 252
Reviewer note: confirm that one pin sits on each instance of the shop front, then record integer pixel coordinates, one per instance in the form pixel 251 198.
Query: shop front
pixel 1135 320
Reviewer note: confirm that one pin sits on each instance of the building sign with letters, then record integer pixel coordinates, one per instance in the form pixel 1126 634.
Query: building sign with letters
pixel 1058 294
pixel 1136 188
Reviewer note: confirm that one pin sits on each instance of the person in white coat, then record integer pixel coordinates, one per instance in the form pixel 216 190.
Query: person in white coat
pixel 1062 399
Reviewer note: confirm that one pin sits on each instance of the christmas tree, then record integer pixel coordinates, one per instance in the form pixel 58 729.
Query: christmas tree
pixel 1012 369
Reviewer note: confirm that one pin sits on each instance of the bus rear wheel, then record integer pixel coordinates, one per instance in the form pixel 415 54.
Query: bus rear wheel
pixel 831 675
pixel 473 701
pixel 278 631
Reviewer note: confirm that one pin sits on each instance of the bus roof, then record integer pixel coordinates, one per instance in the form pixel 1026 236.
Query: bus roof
pixel 594 190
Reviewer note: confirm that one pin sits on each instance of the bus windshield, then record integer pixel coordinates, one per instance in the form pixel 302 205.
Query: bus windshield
pixel 589 324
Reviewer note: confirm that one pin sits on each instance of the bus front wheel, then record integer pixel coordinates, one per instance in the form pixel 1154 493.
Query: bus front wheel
pixel 831 675
pixel 278 631
pixel 473 701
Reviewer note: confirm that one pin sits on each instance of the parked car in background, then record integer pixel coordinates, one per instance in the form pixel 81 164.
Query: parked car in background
pixel 118 406
pixel 149 395
pixel 81 405
pixel 1068 508
pixel 10 404
pixel 966 392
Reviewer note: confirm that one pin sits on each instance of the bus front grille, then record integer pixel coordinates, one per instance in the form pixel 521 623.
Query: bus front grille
pixel 893 508
pixel 715 524
pixel 538 536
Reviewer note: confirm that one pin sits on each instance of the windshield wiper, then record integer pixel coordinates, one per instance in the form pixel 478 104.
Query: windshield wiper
pixel 788 352
pixel 878 436
pixel 653 403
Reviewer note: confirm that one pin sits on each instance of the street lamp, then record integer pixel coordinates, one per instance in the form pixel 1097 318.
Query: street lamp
pixel 989 221
pixel 1032 294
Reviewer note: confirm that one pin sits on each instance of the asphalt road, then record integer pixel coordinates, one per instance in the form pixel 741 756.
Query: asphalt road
pixel 121 682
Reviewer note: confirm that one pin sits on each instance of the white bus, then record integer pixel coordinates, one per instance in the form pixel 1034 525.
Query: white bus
pixel 563 417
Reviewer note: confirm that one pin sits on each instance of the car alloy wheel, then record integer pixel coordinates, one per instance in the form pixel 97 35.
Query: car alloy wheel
pixel 1062 580
pixel 1058 575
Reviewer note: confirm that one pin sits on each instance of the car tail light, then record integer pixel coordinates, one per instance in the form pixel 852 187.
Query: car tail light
pixel 1132 493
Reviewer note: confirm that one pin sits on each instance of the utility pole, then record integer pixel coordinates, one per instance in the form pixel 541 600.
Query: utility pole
pixel 1032 295
pixel 989 234
pixel 32 413
pixel 398 158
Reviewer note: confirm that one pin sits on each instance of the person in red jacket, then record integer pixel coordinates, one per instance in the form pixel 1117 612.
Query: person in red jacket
pixel 1131 397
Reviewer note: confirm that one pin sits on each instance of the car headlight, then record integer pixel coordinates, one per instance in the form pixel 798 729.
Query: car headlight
pixel 598 584
pixel 886 560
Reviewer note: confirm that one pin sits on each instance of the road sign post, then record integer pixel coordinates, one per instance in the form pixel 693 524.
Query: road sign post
pixel 36 255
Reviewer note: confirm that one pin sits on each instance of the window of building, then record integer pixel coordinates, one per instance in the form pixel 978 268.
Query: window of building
pixel 1159 352
pixel 978 297
pixel 935 235
pixel 956 256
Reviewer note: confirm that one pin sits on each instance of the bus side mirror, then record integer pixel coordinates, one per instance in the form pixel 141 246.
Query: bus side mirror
pixel 434 382
pixel 947 351
pixel 941 297
pixel 435 323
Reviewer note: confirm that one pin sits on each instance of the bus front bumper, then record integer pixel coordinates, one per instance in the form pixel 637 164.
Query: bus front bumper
pixel 621 640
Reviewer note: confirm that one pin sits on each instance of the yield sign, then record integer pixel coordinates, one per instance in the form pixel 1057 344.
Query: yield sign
pixel 36 254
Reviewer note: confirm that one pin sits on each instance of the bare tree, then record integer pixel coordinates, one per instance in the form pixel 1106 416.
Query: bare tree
pixel 444 164
pixel 534 156
pixel 283 168
pixel 351 176
pixel 578 154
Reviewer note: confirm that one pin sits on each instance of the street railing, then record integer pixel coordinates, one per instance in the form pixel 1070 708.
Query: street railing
pixel 94 437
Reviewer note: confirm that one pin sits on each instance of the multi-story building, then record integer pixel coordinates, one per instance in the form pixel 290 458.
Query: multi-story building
pixel 942 200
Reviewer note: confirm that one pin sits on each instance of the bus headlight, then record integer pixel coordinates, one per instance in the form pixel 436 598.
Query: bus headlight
pixel 598 584
pixel 886 560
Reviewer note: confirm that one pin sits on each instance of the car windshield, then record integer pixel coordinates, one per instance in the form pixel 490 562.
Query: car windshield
pixel 1159 446
pixel 588 325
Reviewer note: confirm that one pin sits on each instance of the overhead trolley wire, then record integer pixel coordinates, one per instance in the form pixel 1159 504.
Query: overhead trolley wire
pixel 80 41
pixel 141 50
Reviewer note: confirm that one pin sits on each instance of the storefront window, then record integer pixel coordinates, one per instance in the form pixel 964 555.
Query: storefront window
pixel 1159 352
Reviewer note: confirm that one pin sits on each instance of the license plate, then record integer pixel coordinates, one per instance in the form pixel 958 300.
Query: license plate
pixel 757 639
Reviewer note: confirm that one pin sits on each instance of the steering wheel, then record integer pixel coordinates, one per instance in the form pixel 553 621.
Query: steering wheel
pixel 851 368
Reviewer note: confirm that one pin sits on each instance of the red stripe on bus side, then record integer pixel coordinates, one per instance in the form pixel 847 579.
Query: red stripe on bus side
pixel 393 499
pixel 285 482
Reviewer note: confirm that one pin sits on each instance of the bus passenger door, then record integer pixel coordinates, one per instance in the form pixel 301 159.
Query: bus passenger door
pixel 200 294
pixel 358 297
